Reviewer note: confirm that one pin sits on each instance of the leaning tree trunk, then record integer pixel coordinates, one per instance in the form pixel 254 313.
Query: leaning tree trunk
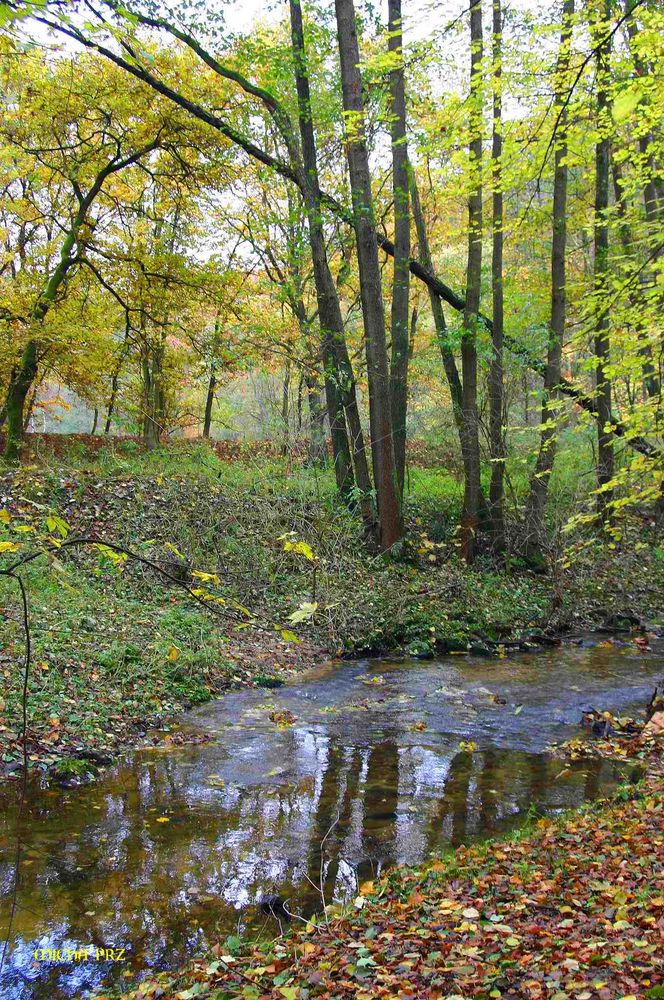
pixel 539 483
pixel 471 451
pixel 371 293
pixel 605 461
pixel 401 272
pixel 496 374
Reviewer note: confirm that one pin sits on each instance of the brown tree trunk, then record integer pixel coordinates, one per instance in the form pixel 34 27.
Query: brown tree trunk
pixel 401 272
pixel 539 483
pixel 371 293
pixel 471 451
pixel 209 403
pixel 496 374
pixel 339 379
pixel 605 461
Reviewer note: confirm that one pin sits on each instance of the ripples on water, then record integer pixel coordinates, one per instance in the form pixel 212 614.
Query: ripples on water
pixel 247 813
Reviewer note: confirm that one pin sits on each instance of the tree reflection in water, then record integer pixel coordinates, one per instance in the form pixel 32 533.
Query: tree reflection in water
pixel 265 810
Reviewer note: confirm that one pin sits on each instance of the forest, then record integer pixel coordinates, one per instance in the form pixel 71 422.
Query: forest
pixel 331 498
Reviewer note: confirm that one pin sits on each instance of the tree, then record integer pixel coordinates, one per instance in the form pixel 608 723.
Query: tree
pixel 496 375
pixel 536 504
pixel 380 416
pixel 471 452
pixel 401 272
pixel 601 15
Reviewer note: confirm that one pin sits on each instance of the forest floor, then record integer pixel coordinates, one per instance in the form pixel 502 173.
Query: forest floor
pixel 565 908
pixel 119 650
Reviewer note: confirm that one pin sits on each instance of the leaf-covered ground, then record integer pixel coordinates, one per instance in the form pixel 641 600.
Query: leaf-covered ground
pixel 572 909
pixel 115 652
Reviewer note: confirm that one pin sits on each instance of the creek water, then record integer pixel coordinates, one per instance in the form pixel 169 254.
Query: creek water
pixel 171 850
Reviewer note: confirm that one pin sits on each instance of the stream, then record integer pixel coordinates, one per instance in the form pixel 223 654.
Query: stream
pixel 384 763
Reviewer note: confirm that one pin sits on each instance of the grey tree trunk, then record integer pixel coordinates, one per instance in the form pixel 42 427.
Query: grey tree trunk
pixel 371 294
pixel 401 271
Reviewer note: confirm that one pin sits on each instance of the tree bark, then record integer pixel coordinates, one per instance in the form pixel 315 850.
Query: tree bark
pixel 650 375
pixel 285 419
pixel 653 189
pixel 401 271
pixel 449 363
pixel 539 483
pixel 317 450
pixel 371 294
pixel 19 386
pixel 471 452
pixel 209 403
pixel 496 373
pixel 339 379
pixel 605 460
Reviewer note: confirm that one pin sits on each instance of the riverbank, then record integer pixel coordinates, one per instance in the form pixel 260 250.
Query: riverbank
pixel 272 577
pixel 566 908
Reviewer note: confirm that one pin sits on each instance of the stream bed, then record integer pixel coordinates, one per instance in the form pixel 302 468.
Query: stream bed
pixel 384 763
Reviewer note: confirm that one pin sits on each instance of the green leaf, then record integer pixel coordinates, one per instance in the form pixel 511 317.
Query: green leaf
pixel 305 611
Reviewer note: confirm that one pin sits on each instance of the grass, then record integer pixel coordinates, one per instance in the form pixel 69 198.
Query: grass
pixel 116 649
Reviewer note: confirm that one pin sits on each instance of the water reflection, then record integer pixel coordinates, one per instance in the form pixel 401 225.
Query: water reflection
pixel 175 849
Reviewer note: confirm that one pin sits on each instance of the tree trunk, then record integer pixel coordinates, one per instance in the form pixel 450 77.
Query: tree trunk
pixel 539 483
pixel 401 272
pixel 317 450
pixel 650 375
pixel 153 415
pixel 19 387
pixel 449 364
pixel 339 379
pixel 24 375
pixel 471 451
pixel 115 380
pixel 285 427
pixel 605 462
pixel 209 402
pixel 95 421
pixel 653 189
pixel 371 294
pixel 496 374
